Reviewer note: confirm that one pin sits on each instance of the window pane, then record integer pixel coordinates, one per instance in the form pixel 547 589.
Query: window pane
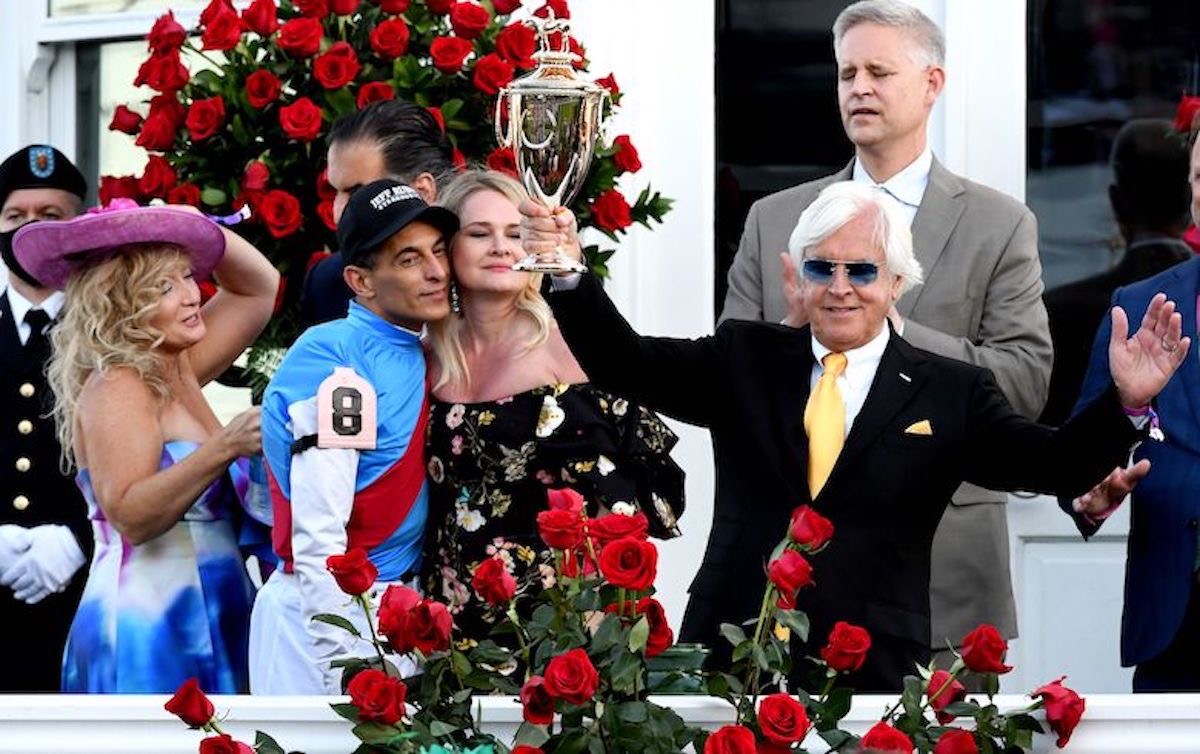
pixel 1093 66
pixel 89 7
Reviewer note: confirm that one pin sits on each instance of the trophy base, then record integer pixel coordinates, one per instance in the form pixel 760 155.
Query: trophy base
pixel 552 264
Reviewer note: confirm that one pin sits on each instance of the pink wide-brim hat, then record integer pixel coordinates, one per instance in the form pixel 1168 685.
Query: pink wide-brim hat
pixel 51 251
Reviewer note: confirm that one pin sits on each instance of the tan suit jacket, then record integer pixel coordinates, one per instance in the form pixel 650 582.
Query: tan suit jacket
pixel 980 303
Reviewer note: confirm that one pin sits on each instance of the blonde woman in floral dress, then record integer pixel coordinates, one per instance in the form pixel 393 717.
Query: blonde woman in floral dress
pixel 513 416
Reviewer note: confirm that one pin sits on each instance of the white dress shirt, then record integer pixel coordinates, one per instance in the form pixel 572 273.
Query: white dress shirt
pixel 861 365
pixel 906 188
pixel 21 305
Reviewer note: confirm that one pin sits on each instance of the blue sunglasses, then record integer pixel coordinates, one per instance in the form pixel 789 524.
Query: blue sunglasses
pixel 820 271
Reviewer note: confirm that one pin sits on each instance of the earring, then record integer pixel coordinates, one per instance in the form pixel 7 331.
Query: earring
pixel 455 301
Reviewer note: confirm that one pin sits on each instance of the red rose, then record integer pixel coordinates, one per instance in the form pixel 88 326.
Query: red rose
pixel 301 120
pixel 354 572
pixel 611 212
pixel 440 7
pixel 469 19
pixel 847 647
pixel 504 7
pixel 390 38
pixel 261 17
pixel 555 40
pixel 560 529
pixel 191 705
pixel 885 739
pixel 394 7
pixel 449 53
pixel 223 744
pixel 158 133
pixel 612 526
pixel 572 677
pixel 205 117
pixel 502 160
pixel 516 43
pixel 324 189
pixel 157 179
pixel 163 72
pixel 395 607
pixel 280 211
pixel 208 289
pixel 343 7
pixel 429 627
pixel 1186 114
pixel 809 529
pixel 609 82
pixel 262 88
pixel 493 583
pixel 125 121
pixel 301 37
pixel 731 739
pixel 626 155
pixel 782 719
pixel 537 706
pixel 436 112
pixel 169 106
pixel 337 67
pixel 790 573
pixel 661 635
pixel 565 499
pixel 166 34
pixel 314 259
pixel 325 212
pixel 956 741
pixel 629 563
pixel 492 73
pixel 184 193
pixel 558 6
pixel 214 7
pixel 526 749
pixel 223 32
pixel 117 187
pixel 378 697
pixel 459 159
pixel 1064 708
pixel 944 690
pixel 375 91
pixel 983 650
pixel 256 176
pixel 312 8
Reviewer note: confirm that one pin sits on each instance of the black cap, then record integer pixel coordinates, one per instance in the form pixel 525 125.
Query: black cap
pixel 40 166
pixel 380 210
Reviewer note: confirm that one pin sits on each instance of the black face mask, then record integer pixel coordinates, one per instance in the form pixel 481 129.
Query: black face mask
pixel 10 259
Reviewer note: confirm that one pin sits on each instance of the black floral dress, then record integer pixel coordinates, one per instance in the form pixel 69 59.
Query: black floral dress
pixel 491 464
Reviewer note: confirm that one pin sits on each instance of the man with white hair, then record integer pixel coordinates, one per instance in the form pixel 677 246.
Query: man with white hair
pixel 845 415
pixel 981 299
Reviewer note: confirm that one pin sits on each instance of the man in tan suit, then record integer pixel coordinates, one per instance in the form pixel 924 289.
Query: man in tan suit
pixel 981 299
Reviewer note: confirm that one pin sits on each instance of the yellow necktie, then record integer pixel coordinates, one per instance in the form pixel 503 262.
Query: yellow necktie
pixel 825 422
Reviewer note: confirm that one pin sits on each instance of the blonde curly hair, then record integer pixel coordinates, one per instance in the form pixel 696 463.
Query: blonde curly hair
pixel 105 325
pixel 445 336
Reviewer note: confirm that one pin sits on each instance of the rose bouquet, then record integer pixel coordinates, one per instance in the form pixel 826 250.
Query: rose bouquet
pixel 243 126
pixel 920 720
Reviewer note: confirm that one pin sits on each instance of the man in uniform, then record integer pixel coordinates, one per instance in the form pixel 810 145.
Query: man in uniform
pixel 45 537
pixel 346 462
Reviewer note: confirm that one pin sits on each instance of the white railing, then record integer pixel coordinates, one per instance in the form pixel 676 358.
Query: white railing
pixel 1113 724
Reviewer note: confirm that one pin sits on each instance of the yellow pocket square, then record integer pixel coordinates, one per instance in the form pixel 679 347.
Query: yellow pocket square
pixel 922 427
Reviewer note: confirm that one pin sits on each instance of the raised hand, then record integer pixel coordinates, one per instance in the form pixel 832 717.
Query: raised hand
pixel 1142 364
pixel 1102 501
pixel 544 231
pixel 796 314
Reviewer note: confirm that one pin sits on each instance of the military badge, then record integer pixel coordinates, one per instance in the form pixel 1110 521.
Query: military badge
pixel 41 161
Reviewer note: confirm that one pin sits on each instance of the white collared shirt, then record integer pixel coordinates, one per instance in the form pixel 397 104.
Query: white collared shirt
pixel 906 188
pixel 21 305
pixel 861 365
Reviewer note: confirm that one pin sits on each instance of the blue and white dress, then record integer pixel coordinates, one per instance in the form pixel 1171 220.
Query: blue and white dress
pixel 178 606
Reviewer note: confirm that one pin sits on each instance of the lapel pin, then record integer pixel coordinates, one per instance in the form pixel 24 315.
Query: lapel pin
pixel 905 377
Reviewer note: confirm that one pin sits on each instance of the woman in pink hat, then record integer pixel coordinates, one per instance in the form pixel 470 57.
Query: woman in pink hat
pixel 167 596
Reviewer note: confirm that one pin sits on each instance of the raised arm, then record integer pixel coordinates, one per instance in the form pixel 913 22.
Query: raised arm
pixel 122 441
pixel 239 311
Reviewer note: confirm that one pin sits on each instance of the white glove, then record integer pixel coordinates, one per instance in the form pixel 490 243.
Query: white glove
pixel 47 566
pixel 14 540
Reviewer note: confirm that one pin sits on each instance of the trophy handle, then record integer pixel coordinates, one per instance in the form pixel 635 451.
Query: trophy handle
pixel 503 135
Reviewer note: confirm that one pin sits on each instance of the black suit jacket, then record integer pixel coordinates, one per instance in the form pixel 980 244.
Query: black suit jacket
pixel 749 384
pixel 326 296
pixel 1077 310
pixel 39 494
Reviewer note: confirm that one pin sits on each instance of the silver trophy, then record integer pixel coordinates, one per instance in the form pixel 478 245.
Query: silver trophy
pixel 551 124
